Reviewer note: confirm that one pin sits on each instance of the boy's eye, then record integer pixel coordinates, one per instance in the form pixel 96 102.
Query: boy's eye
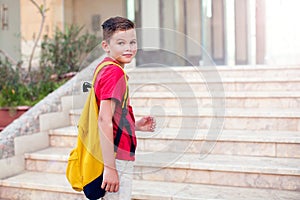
pixel 121 43
pixel 133 42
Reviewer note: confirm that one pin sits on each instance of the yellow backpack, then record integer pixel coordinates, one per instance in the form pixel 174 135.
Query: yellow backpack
pixel 85 163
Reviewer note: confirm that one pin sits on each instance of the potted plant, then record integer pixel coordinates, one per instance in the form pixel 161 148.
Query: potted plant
pixel 11 96
pixel 61 58
pixel 20 89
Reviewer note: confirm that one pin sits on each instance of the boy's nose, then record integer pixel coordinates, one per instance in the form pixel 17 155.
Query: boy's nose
pixel 128 47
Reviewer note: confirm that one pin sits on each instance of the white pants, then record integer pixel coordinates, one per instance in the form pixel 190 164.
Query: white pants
pixel 125 172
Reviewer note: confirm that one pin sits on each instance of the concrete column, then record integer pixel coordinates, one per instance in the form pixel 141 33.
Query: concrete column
pixel 206 32
pixel 150 24
pixel 180 22
pixel 261 30
pixel 193 20
pixel 229 32
pixel 251 19
pixel 168 23
pixel 130 10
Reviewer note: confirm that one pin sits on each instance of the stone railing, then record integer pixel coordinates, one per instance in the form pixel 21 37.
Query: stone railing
pixel 29 124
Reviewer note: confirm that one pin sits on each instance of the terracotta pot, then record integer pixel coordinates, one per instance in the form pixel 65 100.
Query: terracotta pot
pixel 8 115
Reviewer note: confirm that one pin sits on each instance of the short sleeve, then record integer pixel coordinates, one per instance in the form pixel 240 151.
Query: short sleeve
pixel 110 84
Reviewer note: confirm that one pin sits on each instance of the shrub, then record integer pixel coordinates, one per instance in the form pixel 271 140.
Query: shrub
pixel 16 91
pixel 60 56
pixel 66 51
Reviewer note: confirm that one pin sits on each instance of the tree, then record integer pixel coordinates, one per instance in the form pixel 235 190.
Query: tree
pixel 42 10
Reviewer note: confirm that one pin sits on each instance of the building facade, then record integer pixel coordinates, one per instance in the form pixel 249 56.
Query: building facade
pixel 10 28
pixel 224 32
pixel 171 32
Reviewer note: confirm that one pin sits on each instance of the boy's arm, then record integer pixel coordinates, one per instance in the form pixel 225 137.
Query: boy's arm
pixel 110 176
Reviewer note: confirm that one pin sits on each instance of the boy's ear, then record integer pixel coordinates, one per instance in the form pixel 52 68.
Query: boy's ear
pixel 105 46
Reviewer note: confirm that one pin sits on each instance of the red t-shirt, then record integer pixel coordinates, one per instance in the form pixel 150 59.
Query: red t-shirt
pixel 110 84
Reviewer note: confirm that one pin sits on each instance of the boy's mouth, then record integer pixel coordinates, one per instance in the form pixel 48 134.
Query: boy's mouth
pixel 128 55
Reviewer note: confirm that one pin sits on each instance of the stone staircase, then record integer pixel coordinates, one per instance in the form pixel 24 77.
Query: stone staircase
pixel 231 134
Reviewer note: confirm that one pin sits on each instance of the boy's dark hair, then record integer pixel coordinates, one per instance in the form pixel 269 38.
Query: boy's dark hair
pixel 113 24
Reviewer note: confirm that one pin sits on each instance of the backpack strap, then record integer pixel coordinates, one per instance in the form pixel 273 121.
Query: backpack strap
pixel 125 97
pixel 123 121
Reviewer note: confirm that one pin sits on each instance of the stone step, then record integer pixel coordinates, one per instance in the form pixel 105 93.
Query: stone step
pixel 213 118
pixel 279 99
pixel 212 112
pixel 231 119
pixel 38 185
pixel 50 160
pixel 205 99
pixel 283 144
pixel 224 85
pixel 63 137
pixel 224 79
pixel 48 186
pixel 169 78
pixel 157 190
pixel 239 171
pixel 221 71
pixel 54 120
pixel 75 101
pixel 228 142
pixel 242 171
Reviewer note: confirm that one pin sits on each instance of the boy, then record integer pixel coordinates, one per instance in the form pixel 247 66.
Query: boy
pixel 120 44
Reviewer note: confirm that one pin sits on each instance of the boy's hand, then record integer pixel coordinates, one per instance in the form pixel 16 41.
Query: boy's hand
pixel 110 180
pixel 147 123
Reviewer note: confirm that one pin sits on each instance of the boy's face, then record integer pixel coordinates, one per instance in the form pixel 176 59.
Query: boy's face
pixel 122 46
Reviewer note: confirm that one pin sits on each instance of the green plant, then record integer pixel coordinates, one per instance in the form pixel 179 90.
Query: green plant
pixel 10 85
pixel 8 75
pixel 12 96
pixel 17 91
pixel 66 51
pixel 60 55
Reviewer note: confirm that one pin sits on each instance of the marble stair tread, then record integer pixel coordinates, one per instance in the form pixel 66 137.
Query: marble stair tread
pixel 220 68
pixel 212 79
pixel 64 131
pixel 223 135
pixel 218 112
pixel 51 153
pixel 229 163
pixel 230 94
pixel 154 190
pixel 194 161
pixel 39 181
pixel 223 112
pixel 222 71
pixel 192 134
pixel 75 111
pixel 54 159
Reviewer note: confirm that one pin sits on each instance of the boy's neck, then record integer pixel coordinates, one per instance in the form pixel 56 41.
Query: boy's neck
pixel 121 64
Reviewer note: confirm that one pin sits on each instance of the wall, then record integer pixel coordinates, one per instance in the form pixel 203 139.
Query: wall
pixel 67 12
pixel 31 21
pixel 10 35
pixel 64 12
pixel 84 11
